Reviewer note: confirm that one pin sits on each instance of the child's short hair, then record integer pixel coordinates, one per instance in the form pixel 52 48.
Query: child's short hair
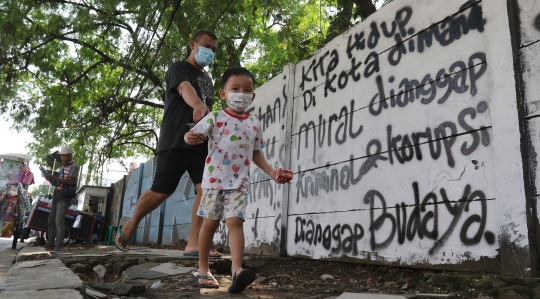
pixel 236 71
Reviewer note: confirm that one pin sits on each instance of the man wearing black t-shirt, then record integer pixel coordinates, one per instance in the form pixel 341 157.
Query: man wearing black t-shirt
pixel 188 98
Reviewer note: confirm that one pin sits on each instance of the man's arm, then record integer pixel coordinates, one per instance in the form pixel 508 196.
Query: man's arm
pixel 189 94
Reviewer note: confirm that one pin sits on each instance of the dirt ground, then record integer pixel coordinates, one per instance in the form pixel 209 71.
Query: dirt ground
pixel 291 278
pixel 295 278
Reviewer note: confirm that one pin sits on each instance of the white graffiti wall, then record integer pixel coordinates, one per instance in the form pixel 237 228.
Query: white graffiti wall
pixel 414 139
pixel 404 139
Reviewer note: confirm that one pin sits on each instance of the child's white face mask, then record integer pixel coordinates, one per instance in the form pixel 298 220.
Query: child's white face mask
pixel 239 101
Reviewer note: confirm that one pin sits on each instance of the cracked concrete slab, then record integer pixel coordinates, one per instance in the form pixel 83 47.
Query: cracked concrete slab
pixel 43 294
pixel 40 275
pixel 143 267
pixel 32 264
pixel 172 269
pixel 147 274
pixel 368 296
pixel 134 271
pixel 157 271
pixel 92 255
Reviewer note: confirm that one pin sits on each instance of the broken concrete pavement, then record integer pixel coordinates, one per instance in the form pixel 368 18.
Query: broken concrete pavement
pixel 105 272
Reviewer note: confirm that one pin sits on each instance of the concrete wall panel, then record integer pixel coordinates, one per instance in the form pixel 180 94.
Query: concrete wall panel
pixel 529 15
pixel 534 134
pixel 531 77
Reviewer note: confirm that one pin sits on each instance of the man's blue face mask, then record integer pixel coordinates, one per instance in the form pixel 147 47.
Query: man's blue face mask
pixel 205 56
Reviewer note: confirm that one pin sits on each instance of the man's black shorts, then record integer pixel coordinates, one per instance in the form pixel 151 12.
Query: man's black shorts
pixel 172 164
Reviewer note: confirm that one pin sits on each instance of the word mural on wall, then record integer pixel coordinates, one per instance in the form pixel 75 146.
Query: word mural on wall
pixel 386 109
pixel 407 222
pixel 275 112
pixel 441 141
pixel 444 33
pixel 462 79
pixel 425 91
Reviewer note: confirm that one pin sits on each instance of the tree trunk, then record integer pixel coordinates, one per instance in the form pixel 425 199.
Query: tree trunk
pixel 367 7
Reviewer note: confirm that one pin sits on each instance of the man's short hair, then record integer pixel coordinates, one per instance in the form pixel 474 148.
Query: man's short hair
pixel 201 33
pixel 236 71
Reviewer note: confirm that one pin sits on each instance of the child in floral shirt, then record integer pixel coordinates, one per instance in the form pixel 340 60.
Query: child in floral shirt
pixel 234 141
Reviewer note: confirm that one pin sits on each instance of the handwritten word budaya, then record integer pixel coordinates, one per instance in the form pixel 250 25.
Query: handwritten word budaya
pixel 423 221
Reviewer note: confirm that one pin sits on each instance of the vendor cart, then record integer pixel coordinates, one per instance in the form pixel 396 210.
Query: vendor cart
pixel 14 199
pixel 38 220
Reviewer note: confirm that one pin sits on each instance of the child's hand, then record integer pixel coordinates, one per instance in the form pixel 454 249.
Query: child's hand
pixel 280 179
pixel 193 138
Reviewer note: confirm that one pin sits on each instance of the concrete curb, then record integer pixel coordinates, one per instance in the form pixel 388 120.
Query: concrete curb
pixel 32 253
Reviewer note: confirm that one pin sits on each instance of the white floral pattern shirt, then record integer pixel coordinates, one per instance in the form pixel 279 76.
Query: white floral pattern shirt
pixel 231 142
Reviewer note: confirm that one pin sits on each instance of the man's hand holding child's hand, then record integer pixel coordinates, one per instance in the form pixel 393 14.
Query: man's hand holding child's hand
pixel 193 138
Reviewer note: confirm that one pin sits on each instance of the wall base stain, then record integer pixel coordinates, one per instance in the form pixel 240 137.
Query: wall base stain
pixel 482 265
pixel 517 260
pixel 263 249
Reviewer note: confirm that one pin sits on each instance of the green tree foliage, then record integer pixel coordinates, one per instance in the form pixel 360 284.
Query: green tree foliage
pixel 90 73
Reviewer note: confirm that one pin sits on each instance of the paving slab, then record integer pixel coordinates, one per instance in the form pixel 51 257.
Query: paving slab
pixel 369 296
pixel 43 294
pixel 159 271
pixel 134 271
pixel 172 269
pixel 142 267
pixel 147 274
pixel 40 275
